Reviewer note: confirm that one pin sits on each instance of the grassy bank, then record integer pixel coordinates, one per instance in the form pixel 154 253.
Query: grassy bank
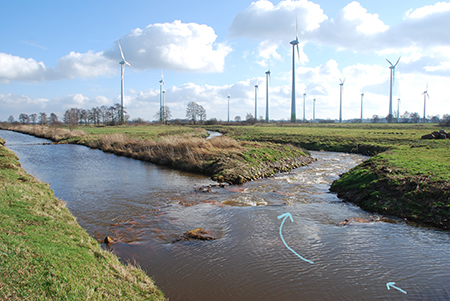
pixel 46 255
pixel 407 177
pixel 223 158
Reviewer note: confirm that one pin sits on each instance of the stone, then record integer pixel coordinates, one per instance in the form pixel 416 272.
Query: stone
pixel 108 240
pixel 200 234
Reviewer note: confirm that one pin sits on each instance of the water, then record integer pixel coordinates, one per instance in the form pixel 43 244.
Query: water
pixel 147 207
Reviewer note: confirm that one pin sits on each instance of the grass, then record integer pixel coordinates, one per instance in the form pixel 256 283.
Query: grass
pixel 46 255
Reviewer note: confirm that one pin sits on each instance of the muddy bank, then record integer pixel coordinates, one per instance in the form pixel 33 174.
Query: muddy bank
pixel 375 187
pixel 223 159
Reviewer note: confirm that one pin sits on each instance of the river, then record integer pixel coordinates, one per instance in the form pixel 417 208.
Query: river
pixel 257 256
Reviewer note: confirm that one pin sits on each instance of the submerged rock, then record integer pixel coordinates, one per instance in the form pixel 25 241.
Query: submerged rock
pixel 197 234
pixel 108 240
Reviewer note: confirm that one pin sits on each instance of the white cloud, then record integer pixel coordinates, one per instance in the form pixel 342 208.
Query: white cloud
pixel 84 65
pixel 428 10
pixel 361 20
pixel 17 68
pixel 177 46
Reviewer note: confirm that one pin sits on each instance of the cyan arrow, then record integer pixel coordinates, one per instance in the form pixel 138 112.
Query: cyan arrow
pixel 391 284
pixel 284 216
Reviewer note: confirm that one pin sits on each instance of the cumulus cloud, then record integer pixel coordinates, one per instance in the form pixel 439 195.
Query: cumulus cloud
pixel 177 46
pixel 84 65
pixel 21 69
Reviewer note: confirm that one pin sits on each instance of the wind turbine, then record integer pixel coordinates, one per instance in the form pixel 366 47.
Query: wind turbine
pixel 340 107
pixel 398 110
pixel 256 102
pixel 161 98
pixel 362 98
pixel 314 110
pixel 392 67
pixel 294 43
pixel 425 95
pixel 229 96
pixel 122 63
pixel 267 95
pixel 304 106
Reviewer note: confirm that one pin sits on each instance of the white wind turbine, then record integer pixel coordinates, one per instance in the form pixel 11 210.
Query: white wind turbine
pixel 161 98
pixel 398 110
pixel 294 43
pixel 392 67
pixel 362 99
pixel 314 110
pixel 304 106
pixel 122 67
pixel 425 95
pixel 256 102
pixel 340 106
pixel 229 96
pixel 267 95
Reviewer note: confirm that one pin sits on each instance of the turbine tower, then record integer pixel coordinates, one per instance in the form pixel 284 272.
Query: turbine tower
pixel 229 96
pixel 362 98
pixel 392 67
pixel 122 68
pixel 340 106
pixel 267 95
pixel 294 43
pixel 161 100
pixel 304 106
pixel 398 110
pixel 314 110
pixel 256 102
pixel 425 95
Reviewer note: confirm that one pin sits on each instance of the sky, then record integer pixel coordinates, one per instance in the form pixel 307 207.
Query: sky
pixel 57 55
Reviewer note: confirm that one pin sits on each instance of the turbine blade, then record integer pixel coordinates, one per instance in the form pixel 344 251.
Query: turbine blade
pixel 428 95
pixel 121 52
pixel 389 62
pixel 296 28
pixel 298 54
pixel 397 62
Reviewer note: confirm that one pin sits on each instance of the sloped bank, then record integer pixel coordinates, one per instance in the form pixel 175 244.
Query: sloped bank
pixel 46 255
pixel 223 158
pixel 376 186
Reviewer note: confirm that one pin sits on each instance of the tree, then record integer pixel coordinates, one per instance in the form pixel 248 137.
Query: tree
pixel 164 114
pixel 24 119
pixel 415 117
pixel 71 117
pixel 43 118
pixel 195 111
pixel 33 118
pixel 237 118
pixel 11 119
pixel 53 119
pixel 375 118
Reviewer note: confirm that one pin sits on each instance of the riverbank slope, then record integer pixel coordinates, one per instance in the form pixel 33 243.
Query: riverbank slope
pixel 407 176
pixel 46 255
pixel 223 158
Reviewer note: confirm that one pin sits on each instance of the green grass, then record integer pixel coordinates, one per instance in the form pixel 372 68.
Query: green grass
pixel 46 255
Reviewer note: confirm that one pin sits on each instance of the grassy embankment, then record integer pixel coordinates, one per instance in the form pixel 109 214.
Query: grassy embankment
pixel 184 148
pixel 406 176
pixel 46 255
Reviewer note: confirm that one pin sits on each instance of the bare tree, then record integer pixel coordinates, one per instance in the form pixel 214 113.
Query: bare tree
pixel 11 119
pixel 53 119
pixel 163 114
pixel 43 118
pixel 195 112
pixel 24 119
pixel 33 118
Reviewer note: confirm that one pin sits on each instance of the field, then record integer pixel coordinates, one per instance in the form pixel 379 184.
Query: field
pixel 46 255
pixel 406 176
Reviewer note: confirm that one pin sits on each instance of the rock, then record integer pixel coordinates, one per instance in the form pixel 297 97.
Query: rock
pixel 200 234
pixel 428 136
pixel 108 240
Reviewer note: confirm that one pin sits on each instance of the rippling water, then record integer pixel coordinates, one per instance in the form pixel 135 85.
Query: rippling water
pixel 147 207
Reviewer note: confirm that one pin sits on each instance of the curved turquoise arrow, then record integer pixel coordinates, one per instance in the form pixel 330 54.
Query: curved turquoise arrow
pixel 285 216
pixel 391 284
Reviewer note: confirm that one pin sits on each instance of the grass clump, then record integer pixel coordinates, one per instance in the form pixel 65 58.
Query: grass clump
pixel 46 255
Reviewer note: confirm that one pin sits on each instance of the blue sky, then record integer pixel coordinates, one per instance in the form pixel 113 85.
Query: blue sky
pixel 56 55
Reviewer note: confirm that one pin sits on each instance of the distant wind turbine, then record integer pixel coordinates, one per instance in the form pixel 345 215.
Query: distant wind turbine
pixel 398 110
pixel 256 101
pixel 314 110
pixel 340 106
pixel 294 43
pixel 122 68
pixel 425 95
pixel 229 96
pixel 267 95
pixel 362 99
pixel 161 98
pixel 304 106
pixel 392 67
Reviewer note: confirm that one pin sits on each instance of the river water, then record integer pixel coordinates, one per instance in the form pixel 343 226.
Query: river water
pixel 257 256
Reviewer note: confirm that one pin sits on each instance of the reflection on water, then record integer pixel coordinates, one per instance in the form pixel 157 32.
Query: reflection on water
pixel 147 207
